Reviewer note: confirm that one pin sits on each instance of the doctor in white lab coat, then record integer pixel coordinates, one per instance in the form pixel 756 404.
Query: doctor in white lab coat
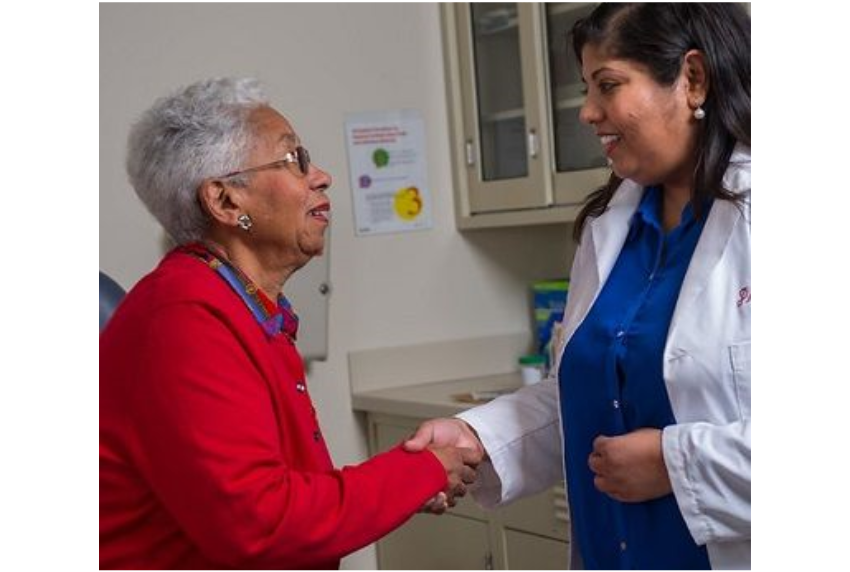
pixel 653 131
pixel 706 372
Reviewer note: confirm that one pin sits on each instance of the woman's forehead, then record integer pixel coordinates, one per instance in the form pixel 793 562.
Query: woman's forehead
pixel 273 129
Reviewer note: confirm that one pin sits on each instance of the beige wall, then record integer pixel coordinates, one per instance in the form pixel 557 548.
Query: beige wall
pixel 319 62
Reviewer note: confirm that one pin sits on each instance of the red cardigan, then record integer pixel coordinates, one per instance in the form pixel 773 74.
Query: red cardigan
pixel 210 450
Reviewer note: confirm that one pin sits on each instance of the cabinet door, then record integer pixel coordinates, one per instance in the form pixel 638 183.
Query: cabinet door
pixel 579 163
pixel 429 542
pixel 544 514
pixel 499 45
pixel 526 551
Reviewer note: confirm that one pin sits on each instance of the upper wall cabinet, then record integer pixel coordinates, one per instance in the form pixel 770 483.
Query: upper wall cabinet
pixel 520 155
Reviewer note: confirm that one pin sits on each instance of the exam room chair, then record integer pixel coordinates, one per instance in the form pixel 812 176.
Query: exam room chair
pixel 110 296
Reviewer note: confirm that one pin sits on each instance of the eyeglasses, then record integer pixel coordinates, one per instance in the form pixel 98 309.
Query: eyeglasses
pixel 300 157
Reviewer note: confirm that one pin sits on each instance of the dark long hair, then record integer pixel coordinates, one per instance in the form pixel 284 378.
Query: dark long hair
pixel 658 36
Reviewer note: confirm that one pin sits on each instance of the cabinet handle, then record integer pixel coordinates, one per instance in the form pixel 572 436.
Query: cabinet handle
pixel 488 561
pixel 470 153
pixel 560 505
pixel 533 146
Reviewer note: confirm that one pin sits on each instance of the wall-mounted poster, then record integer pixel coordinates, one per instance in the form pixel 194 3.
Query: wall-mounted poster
pixel 386 159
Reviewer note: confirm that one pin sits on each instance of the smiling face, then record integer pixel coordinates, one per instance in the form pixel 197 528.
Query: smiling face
pixel 647 130
pixel 288 208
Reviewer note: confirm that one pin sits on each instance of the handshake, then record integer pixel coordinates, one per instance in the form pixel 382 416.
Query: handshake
pixel 460 451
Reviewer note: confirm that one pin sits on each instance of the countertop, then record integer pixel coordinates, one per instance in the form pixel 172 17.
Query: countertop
pixel 434 399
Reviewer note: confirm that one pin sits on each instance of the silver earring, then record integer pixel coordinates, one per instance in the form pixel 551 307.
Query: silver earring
pixel 699 113
pixel 244 222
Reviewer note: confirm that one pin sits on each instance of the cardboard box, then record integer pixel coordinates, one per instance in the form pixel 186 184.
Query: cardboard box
pixel 550 299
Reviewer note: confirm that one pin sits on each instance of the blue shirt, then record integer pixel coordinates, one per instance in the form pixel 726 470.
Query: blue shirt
pixel 612 383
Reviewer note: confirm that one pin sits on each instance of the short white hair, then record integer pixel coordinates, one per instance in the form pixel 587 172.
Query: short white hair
pixel 199 132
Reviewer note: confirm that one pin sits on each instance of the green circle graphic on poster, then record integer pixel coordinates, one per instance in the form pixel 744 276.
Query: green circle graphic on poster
pixel 381 157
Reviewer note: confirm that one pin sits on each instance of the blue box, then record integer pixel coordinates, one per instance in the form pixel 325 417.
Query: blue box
pixel 549 299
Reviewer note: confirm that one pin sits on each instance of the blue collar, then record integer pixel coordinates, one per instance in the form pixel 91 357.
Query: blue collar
pixel 274 318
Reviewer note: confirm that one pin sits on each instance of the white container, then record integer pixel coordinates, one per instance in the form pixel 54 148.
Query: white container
pixel 532 368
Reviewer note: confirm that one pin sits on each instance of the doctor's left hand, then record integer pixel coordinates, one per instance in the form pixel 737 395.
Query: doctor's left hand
pixel 630 467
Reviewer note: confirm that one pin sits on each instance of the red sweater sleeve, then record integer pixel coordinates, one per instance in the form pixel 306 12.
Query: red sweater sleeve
pixel 214 451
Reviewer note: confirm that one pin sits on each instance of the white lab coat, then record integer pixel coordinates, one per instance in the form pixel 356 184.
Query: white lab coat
pixel 706 371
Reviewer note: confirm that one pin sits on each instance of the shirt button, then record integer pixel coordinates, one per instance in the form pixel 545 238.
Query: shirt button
pixel 622 545
pixel 300 387
pixel 316 436
pixel 621 333
pixel 616 404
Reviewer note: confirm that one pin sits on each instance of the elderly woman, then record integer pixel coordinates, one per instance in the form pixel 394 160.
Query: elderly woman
pixel 211 454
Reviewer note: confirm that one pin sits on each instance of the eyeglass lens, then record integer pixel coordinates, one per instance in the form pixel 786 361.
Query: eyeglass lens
pixel 303 159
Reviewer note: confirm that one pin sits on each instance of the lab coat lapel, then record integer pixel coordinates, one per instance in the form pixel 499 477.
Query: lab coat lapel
pixel 715 239
pixel 602 239
pixel 607 233
pixel 610 230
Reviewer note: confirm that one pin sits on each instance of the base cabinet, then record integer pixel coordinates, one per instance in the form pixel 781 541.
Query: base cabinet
pixel 530 534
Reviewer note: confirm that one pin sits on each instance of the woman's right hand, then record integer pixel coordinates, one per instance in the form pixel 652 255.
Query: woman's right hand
pixel 460 466
pixel 441 433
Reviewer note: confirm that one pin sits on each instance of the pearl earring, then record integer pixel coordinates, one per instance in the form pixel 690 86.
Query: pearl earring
pixel 244 222
pixel 699 113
